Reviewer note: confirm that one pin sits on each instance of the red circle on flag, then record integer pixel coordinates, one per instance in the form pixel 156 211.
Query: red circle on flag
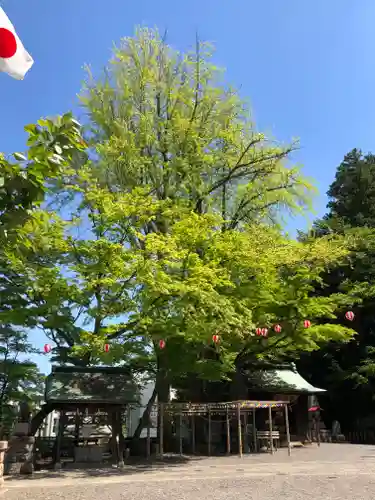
pixel 8 44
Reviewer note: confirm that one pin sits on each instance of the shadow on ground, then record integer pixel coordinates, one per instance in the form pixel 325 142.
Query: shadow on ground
pixel 132 466
pixel 308 456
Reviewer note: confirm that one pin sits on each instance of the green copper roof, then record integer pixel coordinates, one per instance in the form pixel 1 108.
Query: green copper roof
pixel 284 380
pixel 102 385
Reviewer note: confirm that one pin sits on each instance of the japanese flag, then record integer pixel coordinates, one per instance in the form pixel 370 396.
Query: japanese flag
pixel 14 59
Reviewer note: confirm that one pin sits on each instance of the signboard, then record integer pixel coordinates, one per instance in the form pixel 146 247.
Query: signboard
pixel 154 418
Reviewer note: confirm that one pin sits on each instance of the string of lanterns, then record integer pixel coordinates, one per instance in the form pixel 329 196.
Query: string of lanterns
pixel 161 344
pixel 48 348
pixel 263 332
pixel 215 340
pixel 260 332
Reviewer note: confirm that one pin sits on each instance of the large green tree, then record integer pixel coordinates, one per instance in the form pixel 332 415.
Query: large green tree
pixel 172 228
pixel 52 145
pixel 352 193
pixel 167 121
pixel 348 370
pixel 20 378
pixel 182 286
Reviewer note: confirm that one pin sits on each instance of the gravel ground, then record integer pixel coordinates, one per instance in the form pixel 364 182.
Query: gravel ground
pixel 332 472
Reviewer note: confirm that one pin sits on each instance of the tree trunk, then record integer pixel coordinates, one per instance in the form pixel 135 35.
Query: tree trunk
pixel 143 421
pixel 163 387
pixel 161 393
pixel 164 393
pixel 37 420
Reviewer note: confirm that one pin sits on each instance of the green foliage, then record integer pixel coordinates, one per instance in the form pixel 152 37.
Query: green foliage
pixel 170 228
pixel 167 121
pixel 182 286
pixel 52 145
pixel 352 194
pixel 349 369
pixel 167 236
pixel 20 379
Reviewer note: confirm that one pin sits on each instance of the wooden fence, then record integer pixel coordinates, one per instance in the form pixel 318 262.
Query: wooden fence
pixel 360 437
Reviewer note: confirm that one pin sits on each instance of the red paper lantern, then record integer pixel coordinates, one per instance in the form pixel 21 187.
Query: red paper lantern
pixel 307 323
pixel 106 347
pixel 258 331
pixel 264 332
pixel 277 328
pixel 47 348
pixel 349 315
pixel 215 338
pixel 161 344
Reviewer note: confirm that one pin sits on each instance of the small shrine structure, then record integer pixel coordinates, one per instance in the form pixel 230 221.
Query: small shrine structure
pixel 280 382
pixel 84 397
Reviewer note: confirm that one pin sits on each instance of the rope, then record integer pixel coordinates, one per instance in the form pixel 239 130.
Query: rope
pixel 215 420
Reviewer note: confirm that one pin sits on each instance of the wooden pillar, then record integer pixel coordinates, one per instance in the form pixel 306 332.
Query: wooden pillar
pixel 3 449
pixel 77 425
pixel 129 422
pixel 245 432
pixel 180 433
pixel 286 409
pixel 317 420
pixel 239 430
pixel 115 446
pixel 270 427
pixel 59 438
pixel 121 440
pixel 161 430
pixel 193 433
pixel 255 432
pixel 228 431
pixel 209 431
pixel 302 417
pixel 148 438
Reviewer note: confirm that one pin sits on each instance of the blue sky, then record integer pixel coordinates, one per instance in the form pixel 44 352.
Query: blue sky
pixel 307 67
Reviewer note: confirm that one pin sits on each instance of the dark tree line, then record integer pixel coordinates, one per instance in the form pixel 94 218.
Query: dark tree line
pixel 347 371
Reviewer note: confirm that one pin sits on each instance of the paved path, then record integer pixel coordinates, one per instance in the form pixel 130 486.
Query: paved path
pixel 332 472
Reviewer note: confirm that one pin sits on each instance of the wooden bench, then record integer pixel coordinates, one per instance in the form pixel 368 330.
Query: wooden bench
pixel 267 436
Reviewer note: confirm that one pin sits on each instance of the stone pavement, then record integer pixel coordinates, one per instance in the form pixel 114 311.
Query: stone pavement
pixel 332 472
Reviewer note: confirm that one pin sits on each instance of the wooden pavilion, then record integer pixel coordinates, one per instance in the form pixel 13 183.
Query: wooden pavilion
pixel 84 395
pixel 257 380
pixel 239 410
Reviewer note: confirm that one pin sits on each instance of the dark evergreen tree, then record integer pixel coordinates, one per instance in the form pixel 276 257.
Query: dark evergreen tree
pixel 348 370
pixel 352 194
pixel 20 378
